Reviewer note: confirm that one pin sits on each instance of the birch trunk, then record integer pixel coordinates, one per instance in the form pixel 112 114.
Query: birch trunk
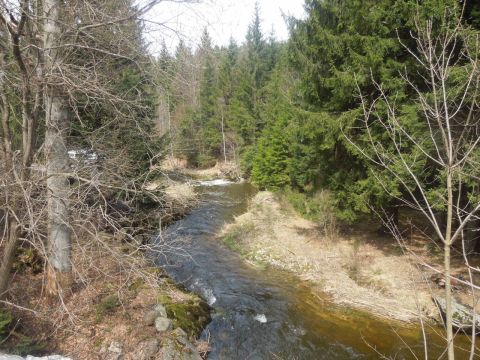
pixel 59 234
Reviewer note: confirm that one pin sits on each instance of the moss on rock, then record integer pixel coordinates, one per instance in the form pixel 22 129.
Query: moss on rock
pixel 191 315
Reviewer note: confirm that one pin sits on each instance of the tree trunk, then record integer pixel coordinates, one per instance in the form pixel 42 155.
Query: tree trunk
pixel 448 286
pixel 58 191
pixel 223 139
pixel 10 224
pixel 8 254
pixel 59 234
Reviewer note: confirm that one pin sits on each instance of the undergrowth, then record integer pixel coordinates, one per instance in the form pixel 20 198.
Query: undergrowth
pixel 318 207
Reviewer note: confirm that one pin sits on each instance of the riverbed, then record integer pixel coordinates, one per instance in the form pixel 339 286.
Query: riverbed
pixel 266 313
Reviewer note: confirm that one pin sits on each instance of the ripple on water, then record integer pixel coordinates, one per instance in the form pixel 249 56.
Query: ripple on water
pixel 215 182
pixel 261 318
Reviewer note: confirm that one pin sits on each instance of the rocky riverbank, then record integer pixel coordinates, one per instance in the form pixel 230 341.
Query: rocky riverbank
pixel 121 306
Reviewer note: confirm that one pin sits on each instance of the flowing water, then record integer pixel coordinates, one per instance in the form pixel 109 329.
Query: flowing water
pixel 268 313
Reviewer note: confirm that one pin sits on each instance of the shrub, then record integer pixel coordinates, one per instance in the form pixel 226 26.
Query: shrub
pixel 106 306
pixel 318 207
pixel 6 319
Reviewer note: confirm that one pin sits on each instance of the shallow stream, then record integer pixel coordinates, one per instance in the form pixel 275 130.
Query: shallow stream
pixel 268 313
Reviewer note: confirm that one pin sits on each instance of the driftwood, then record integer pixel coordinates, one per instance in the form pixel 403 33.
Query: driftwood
pixel 463 316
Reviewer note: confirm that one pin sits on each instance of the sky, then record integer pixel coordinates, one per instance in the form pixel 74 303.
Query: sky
pixel 171 20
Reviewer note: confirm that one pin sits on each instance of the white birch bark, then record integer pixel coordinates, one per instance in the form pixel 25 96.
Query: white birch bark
pixel 58 191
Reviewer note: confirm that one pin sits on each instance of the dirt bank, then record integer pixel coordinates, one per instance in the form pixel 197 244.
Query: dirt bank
pixel 176 198
pixel 108 314
pixel 221 170
pixel 117 296
pixel 361 270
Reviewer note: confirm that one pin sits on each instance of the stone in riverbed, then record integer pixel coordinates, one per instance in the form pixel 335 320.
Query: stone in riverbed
pixel 162 324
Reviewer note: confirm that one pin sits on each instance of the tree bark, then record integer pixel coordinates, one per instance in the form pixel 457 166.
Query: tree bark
pixel 223 139
pixel 10 224
pixel 448 286
pixel 8 255
pixel 58 191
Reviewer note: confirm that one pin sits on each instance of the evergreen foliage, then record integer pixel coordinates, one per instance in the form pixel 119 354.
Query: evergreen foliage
pixel 292 110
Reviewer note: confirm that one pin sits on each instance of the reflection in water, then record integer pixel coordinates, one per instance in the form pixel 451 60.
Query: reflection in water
pixel 270 314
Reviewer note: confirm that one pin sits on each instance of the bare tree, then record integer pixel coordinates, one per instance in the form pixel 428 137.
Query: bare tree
pixel 65 63
pixel 448 107
pixel 15 24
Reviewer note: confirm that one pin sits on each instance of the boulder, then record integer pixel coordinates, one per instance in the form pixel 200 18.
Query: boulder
pixel 163 324
pixel 114 351
pixel 176 346
pixel 147 349
pixel 151 315
pixel 160 310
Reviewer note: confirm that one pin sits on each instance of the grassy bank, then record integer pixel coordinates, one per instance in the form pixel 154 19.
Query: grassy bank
pixel 360 269
pixel 221 170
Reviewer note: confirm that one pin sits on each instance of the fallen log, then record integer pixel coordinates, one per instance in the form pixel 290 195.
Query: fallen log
pixel 463 316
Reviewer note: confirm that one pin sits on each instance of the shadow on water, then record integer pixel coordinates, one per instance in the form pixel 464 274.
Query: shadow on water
pixel 269 313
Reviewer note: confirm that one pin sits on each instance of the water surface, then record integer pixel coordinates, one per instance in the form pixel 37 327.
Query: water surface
pixel 269 313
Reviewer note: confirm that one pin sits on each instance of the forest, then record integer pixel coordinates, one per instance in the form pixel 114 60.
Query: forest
pixel 368 114
pixel 292 112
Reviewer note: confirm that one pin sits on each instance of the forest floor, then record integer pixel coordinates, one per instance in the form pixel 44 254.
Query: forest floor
pixel 356 267
pixel 106 314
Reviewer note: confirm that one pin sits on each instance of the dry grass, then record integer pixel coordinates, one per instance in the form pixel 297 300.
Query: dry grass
pixel 114 287
pixel 354 268
pixel 182 193
pixel 227 170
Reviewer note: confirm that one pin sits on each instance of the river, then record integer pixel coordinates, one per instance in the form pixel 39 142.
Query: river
pixel 265 313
